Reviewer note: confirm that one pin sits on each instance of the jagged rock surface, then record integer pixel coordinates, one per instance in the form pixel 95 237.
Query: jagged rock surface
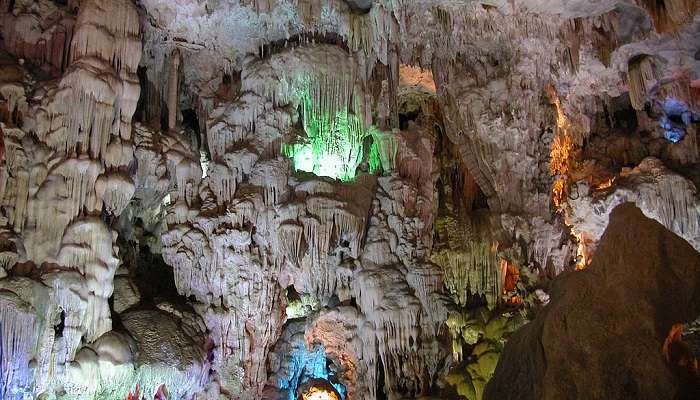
pixel 372 171
pixel 589 326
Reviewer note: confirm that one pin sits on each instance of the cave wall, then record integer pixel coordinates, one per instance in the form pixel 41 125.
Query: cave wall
pixel 389 184
pixel 639 265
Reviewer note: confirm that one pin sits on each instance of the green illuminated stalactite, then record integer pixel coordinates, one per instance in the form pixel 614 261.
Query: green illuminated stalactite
pixel 333 145
pixel 375 162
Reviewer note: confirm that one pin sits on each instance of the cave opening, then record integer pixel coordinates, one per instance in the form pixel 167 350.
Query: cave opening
pixel 190 121
pixel 622 116
pixel 406 117
pixel 155 278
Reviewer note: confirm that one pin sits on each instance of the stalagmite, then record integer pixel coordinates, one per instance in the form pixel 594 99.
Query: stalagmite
pixel 88 246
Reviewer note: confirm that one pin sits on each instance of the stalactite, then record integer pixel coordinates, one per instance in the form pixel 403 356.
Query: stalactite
pixel 310 11
pixel 223 183
pixel 272 178
pixel 335 133
pixel 387 147
pixel 291 238
pixel 21 192
pixel 115 190
pixel 119 20
pixel 396 329
pixel 80 176
pixel 670 15
pixel 473 269
pixel 317 236
pixel 46 46
pixel 605 39
pixel 70 296
pixel 96 97
pixel 571 35
pixel 641 78
pixel 16 346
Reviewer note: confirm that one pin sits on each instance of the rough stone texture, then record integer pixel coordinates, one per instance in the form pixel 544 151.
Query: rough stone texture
pixel 126 294
pixel 178 140
pixel 661 195
pixel 602 333
pixel 162 341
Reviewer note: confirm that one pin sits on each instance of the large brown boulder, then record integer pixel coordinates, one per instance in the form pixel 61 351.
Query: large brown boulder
pixel 602 334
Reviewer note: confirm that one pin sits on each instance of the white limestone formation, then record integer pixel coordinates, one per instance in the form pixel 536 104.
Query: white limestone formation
pixel 236 200
pixel 661 194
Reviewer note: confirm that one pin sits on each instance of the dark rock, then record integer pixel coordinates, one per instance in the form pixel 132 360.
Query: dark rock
pixel 359 6
pixel 602 334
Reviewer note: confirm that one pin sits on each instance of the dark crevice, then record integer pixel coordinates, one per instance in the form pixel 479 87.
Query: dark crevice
pixel 164 116
pixel 292 294
pixel 140 113
pixel 303 39
pixel 147 271
pixel 190 120
pixel 405 118
pixel 381 395
pixel 154 278
pixel 623 116
pixel 59 328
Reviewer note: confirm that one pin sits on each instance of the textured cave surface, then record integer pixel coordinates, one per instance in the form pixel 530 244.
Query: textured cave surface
pixel 349 199
pixel 600 334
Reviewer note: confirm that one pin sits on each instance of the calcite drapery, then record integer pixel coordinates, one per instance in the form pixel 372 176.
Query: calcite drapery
pixel 480 149
pixel 67 162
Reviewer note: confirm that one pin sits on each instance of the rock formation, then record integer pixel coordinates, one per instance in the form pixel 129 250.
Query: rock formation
pixel 204 199
pixel 587 343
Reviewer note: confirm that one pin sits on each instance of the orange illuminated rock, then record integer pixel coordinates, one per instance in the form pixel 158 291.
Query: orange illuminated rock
pixel 319 394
